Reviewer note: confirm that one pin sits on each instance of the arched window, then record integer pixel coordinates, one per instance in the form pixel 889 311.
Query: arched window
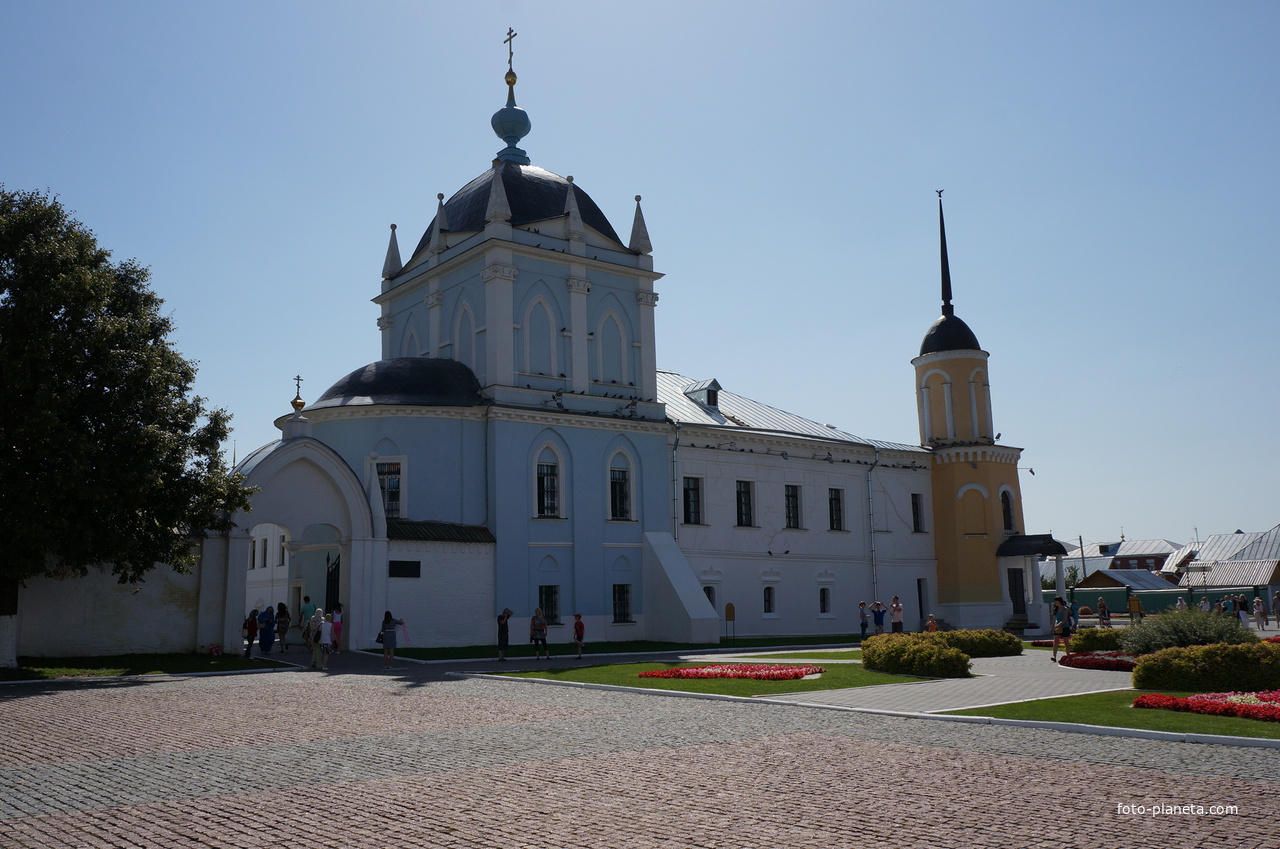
pixel 613 351
pixel 768 599
pixel 540 341
pixel 824 599
pixel 1006 506
pixel 619 487
pixel 464 339
pixel 710 593
pixel 547 487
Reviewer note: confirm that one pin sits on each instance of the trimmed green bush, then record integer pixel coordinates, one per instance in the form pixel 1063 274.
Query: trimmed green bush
pixel 1182 629
pixel 1214 668
pixel 1095 639
pixel 914 654
pixel 986 643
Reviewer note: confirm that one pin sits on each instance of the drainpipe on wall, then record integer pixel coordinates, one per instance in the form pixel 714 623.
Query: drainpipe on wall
pixel 675 486
pixel 871 523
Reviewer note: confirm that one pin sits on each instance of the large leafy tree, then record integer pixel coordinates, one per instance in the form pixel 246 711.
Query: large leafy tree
pixel 107 459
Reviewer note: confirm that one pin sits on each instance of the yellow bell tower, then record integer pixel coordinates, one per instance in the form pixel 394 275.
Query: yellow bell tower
pixel 977 502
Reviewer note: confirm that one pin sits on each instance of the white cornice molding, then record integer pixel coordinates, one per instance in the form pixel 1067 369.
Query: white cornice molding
pixel 977 454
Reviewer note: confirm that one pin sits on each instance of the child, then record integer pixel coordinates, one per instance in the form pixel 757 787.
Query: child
pixel 931 625
pixel 579 630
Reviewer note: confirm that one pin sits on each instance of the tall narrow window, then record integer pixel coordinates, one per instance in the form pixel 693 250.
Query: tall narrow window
pixel 548 489
pixel 389 482
pixel 745 515
pixel 824 600
pixel 835 505
pixel 282 550
pixel 549 601
pixel 619 487
pixel 693 501
pixel 768 599
pixel 1006 506
pixel 917 512
pixel 791 499
pixel 253 554
pixel 710 593
pixel 622 603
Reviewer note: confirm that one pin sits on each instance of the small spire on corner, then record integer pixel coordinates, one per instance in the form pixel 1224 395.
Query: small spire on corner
pixel 392 266
pixel 640 233
pixel 575 227
pixel 498 208
pixel 436 244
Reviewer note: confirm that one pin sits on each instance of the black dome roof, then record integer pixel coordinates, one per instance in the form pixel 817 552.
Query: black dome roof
pixel 405 381
pixel 533 193
pixel 949 333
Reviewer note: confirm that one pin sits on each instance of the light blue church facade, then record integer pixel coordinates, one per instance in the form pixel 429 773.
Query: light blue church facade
pixel 517 446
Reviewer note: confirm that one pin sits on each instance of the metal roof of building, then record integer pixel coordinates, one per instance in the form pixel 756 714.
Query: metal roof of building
pixel 735 412
pixel 1233 573
pixel 1091 565
pixel 1135 579
pixel 406 529
pixel 1146 547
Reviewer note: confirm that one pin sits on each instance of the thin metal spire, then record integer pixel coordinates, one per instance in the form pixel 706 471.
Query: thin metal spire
pixel 947 308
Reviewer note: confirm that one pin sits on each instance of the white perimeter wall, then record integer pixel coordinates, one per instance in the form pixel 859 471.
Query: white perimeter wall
pixel 452 604
pixel 97 615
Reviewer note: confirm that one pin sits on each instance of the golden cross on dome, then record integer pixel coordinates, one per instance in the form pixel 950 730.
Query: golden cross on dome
pixel 507 41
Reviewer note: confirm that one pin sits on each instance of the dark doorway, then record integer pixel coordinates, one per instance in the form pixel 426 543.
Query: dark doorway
pixel 1018 591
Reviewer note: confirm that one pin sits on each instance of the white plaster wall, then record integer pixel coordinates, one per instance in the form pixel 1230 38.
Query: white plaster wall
pixel 452 604
pixel 97 615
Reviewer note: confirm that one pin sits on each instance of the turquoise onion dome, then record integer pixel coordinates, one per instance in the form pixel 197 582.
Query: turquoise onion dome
pixel 511 123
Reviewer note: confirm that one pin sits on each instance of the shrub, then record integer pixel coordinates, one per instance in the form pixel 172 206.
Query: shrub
pixel 914 654
pixel 1184 628
pixel 986 643
pixel 1095 639
pixel 1253 666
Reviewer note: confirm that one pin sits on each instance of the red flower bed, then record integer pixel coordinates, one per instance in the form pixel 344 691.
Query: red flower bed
pixel 757 671
pixel 1110 661
pixel 1043 644
pixel 1263 706
pixel 1272 640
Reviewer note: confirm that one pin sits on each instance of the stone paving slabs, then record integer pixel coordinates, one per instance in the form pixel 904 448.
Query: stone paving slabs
pixel 305 759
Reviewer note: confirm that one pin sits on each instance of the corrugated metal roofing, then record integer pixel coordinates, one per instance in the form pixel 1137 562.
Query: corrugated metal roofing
pixel 736 412
pixel 1146 547
pixel 1137 579
pixel 1225 546
pixel 1265 547
pixel 1233 573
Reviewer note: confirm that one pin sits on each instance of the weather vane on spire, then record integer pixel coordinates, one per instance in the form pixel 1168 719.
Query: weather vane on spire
pixel 511 34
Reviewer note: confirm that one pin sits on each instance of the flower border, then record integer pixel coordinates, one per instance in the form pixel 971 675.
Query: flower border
pixel 755 671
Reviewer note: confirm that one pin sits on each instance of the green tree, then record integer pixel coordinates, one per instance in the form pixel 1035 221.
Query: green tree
pixel 106 458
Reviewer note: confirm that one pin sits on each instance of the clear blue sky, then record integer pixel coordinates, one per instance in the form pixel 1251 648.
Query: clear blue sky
pixel 1110 173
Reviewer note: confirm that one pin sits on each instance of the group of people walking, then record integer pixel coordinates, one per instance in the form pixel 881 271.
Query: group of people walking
pixel 321 632
pixel 1240 607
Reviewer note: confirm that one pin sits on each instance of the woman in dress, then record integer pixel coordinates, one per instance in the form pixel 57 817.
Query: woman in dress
pixel 337 627
pixel 538 633
pixel 266 630
pixel 388 635
pixel 1259 615
pixel 1060 622
pixel 282 625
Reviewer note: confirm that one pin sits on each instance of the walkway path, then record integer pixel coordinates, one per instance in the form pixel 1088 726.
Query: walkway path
pixel 355 758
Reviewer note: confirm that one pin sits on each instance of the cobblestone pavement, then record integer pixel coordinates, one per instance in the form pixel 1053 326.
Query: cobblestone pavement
pixel 306 759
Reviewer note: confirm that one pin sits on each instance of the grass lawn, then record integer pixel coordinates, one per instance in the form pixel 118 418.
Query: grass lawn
pixel 850 654
pixel 837 676
pixel 559 647
pixel 1114 709
pixel 47 668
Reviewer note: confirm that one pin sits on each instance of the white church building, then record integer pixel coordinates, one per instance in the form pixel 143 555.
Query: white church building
pixel 518 446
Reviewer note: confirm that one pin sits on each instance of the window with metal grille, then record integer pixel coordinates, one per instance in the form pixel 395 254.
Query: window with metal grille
pixel 835 504
pixel 791 499
pixel 549 601
pixel 622 603
pixel 824 599
pixel 619 494
pixel 768 599
pixel 917 512
pixel 693 501
pixel 548 489
pixel 745 514
pixel 389 483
